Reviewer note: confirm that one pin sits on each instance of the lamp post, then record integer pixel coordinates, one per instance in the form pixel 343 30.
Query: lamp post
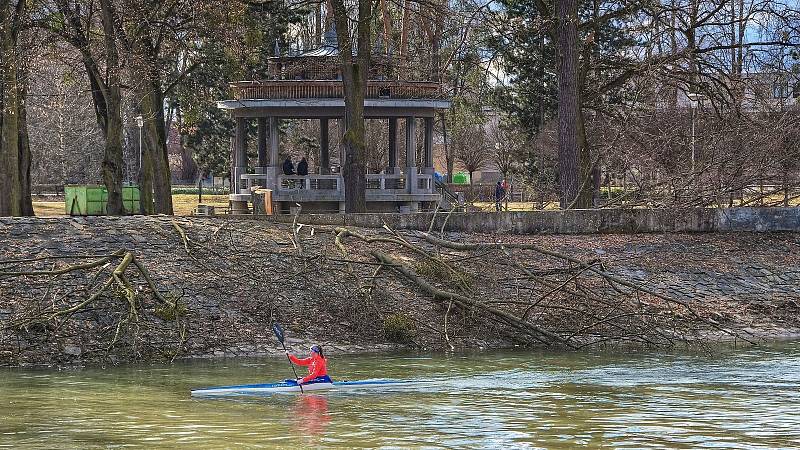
pixel 140 124
pixel 695 99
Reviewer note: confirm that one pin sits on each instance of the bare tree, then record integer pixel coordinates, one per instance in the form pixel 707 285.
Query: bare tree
pixel 15 154
pixel 355 71
pixel 471 148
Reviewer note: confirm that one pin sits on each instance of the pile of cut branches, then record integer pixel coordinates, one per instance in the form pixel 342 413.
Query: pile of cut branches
pixel 115 289
pixel 540 296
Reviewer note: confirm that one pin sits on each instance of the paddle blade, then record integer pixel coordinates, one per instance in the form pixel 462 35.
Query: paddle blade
pixel 276 328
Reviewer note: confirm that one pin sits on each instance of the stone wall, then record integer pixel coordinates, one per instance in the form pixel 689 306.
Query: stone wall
pixel 587 221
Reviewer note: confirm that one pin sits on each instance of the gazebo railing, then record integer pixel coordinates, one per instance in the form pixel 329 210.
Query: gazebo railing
pixel 299 89
pixel 334 184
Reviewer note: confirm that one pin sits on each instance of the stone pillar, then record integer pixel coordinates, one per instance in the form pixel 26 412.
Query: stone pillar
pixel 324 148
pixel 428 165
pixel 393 167
pixel 342 148
pixel 411 154
pixel 262 144
pixel 273 169
pixel 239 154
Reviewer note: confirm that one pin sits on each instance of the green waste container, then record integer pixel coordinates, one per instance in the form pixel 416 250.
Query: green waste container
pixel 460 178
pixel 92 200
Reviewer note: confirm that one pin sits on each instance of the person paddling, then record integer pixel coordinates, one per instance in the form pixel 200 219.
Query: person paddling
pixel 317 366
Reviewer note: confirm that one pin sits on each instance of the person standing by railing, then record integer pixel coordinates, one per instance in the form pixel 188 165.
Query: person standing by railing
pixel 302 170
pixel 288 166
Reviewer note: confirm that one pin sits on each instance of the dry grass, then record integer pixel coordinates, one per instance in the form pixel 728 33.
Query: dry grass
pixel 49 208
pixel 182 204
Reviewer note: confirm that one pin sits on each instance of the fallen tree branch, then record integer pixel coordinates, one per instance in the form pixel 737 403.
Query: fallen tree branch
pixel 438 295
pixel 611 278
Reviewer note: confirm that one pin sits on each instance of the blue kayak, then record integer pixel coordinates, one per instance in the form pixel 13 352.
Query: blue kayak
pixel 292 386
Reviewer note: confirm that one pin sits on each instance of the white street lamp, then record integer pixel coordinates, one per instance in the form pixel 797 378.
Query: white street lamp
pixel 695 99
pixel 140 124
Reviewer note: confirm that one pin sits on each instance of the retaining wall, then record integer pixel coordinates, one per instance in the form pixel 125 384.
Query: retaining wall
pixel 578 221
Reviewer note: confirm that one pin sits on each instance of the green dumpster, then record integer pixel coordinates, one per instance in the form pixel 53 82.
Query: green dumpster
pixel 460 178
pixel 91 200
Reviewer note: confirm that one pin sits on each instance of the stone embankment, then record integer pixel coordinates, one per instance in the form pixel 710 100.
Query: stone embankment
pixel 572 221
pixel 220 283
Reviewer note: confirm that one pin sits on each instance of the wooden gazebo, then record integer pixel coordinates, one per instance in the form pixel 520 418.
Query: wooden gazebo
pixel 292 95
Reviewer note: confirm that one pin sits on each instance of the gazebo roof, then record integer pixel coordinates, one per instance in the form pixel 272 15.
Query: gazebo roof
pixel 328 49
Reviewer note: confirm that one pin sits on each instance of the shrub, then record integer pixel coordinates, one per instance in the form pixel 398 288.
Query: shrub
pixel 398 328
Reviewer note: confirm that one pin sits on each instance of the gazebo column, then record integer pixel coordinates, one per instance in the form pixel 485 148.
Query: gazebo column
pixel 428 167
pixel 342 158
pixel 393 167
pixel 263 162
pixel 262 145
pixel 411 159
pixel 273 167
pixel 240 152
pixel 239 164
pixel 324 148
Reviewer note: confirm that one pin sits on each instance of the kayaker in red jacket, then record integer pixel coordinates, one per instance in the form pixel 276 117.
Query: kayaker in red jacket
pixel 317 365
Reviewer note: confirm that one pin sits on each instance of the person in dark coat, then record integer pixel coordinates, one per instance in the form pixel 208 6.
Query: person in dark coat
pixel 499 195
pixel 288 167
pixel 302 167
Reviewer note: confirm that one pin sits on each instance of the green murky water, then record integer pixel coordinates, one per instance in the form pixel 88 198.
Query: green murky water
pixel 735 399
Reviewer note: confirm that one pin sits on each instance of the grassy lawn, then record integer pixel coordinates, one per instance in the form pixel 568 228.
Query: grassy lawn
pixel 182 204
pixel 49 208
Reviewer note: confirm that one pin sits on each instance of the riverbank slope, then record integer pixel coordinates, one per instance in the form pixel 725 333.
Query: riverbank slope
pixel 210 287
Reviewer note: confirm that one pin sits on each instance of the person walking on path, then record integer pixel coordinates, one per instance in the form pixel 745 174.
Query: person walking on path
pixel 499 195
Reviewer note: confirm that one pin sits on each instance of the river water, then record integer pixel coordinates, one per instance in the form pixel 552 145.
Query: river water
pixel 733 399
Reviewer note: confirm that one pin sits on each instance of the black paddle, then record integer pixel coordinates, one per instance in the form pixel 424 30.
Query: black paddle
pixel 276 328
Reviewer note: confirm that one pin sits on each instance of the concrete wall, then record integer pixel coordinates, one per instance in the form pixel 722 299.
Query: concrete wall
pixel 585 221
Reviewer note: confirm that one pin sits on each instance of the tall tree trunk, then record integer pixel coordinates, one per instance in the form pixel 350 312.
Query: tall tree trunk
pixel 189 170
pixel 386 18
pixel 112 158
pixel 569 119
pixel 355 70
pixel 405 25
pixel 14 149
pixel 24 146
pixel 145 176
pixel 155 137
pixel 586 189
